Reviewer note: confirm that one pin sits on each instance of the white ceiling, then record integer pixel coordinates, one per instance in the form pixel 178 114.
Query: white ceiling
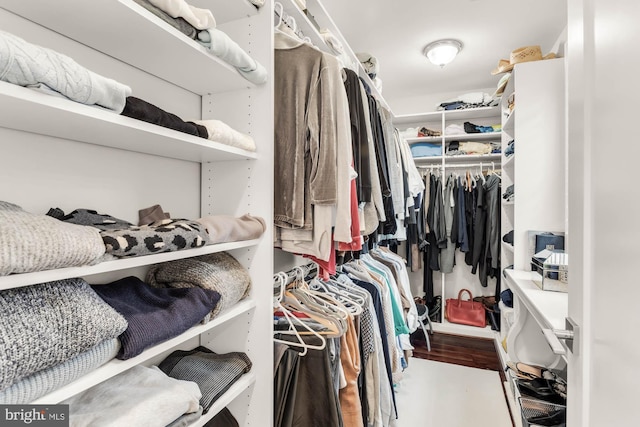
pixel 396 32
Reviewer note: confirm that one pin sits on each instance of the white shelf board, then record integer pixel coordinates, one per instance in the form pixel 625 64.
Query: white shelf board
pixel 548 308
pixel 243 383
pixel 433 116
pixel 507 247
pixel 510 203
pixel 116 366
pixel 26 279
pixel 427 160
pixel 456 329
pixel 473 158
pixel 487 136
pixel 32 111
pixel 110 31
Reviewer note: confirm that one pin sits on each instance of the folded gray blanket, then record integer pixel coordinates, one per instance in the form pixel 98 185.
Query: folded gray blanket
pixel 47 324
pixel 219 272
pixel 31 242
pixel 166 235
pixel 42 382
pixel 23 64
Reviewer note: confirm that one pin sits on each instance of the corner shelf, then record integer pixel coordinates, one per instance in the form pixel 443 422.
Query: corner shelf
pixel 466 114
pixel 213 75
pixel 548 308
pixel 116 366
pixel 26 279
pixel 243 383
pixel 28 110
pixel 508 161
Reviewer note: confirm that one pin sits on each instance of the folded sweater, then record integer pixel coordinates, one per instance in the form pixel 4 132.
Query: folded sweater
pixel 199 18
pixel 178 23
pixel 31 242
pixel 47 324
pixel 227 228
pixel 219 272
pixel 140 397
pixel 24 64
pixel 214 373
pixel 140 109
pixel 154 315
pixel 42 382
pixel 223 133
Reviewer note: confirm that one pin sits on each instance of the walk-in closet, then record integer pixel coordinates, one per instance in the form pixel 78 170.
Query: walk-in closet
pixel 318 213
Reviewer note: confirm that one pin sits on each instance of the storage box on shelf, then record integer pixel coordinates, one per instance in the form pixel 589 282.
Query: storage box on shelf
pixel 59 153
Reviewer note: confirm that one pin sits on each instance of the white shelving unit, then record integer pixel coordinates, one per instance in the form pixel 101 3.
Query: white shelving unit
pixel 448 285
pixel 536 169
pixel 57 153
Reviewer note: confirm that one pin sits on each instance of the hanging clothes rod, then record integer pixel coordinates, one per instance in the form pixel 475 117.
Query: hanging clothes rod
pixel 295 272
pixel 461 165
pixel 284 18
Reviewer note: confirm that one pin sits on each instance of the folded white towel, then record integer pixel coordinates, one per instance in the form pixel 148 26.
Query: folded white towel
pixel 201 19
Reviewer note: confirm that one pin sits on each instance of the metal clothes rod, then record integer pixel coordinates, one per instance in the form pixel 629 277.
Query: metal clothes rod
pixel 284 18
pixel 294 272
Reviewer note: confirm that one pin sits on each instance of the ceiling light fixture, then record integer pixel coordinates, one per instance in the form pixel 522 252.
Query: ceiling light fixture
pixel 441 52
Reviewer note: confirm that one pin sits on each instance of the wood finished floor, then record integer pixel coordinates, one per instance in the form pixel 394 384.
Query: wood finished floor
pixel 466 351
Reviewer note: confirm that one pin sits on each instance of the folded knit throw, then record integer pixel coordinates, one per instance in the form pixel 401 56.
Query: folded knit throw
pixel 140 397
pixel 219 271
pixel 47 324
pixel 223 133
pixel 42 382
pixel 24 64
pixel 166 235
pixel 154 315
pixel 214 373
pixel 30 242
pixel 227 228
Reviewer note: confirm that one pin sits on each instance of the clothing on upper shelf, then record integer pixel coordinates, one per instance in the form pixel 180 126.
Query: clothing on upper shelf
pixel 227 228
pixel 142 110
pixel 222 46
pixel 223 133
pixel 426 149
pixel 201 19
pixel 178 23
pixel 26 64
pixel 151 214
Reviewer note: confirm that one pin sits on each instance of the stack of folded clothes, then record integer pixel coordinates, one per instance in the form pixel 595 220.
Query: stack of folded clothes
pixel 53 333
pixel 145 308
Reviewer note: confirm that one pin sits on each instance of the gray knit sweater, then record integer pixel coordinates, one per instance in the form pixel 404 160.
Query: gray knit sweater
pixel 47 324
pixel 219 271
pixel 31 242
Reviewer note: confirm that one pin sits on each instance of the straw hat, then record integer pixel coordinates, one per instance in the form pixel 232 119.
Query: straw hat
pixel 523 54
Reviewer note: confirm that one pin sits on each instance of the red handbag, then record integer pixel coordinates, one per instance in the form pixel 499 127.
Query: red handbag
pixel 469 312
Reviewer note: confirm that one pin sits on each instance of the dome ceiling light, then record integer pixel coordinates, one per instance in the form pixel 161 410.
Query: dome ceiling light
pixel 442 52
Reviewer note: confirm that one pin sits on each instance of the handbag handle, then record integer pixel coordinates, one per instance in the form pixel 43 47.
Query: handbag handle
pixel 463 291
